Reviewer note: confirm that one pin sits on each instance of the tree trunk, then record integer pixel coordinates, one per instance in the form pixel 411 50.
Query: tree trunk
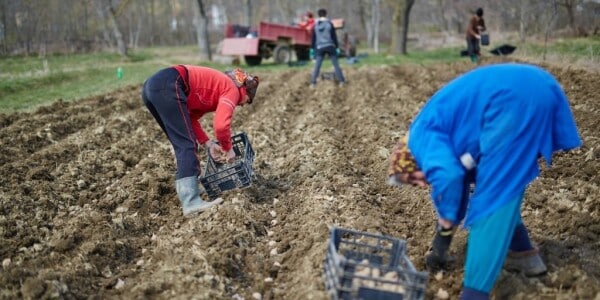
pixel 366 23
pixel 399 26
pixel 121 45
pixel 152 26
pixel 442 17
pixel 375 21
pixel 408 4
pixel 202 33
pixel 549 26
pixel 105 33
pixel 570 7
pixel 110 17
pixel 395 26
pixel 3 29
pixel 137 28
pixel 523 19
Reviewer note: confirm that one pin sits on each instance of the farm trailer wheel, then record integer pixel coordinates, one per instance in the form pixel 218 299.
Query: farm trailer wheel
pixel 282 54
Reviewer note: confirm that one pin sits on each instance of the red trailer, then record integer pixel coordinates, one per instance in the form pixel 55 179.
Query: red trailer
pixel 270 40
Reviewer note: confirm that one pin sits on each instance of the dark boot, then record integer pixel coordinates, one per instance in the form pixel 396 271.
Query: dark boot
pixel 439 259
pixel 528 262
pixel 523 256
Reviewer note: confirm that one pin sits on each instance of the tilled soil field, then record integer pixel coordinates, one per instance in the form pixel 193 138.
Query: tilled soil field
pixel 89 209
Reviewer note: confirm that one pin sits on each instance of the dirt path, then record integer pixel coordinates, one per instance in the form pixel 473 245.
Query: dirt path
pixel 88 204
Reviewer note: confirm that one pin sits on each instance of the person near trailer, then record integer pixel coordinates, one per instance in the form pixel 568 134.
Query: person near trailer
pixel 325 42
pixel 308 21
pixel 485 129
pixel 475 27
pixel 178 97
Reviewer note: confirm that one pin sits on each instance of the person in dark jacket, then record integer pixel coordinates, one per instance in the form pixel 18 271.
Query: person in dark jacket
pixel 474 29
pixel 324 41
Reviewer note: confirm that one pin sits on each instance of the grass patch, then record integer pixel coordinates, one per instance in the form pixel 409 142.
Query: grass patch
pixel 441 55
pixel 28 82
pixel 24 93
pixel 584 51
pixel 26 66
pixel 571 47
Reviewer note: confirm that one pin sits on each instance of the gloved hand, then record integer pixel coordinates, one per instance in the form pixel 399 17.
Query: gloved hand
pixel 311 53
pixel 337 51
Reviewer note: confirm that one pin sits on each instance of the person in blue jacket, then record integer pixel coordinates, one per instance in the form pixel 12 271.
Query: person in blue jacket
pixel 325 42
pixel 486 128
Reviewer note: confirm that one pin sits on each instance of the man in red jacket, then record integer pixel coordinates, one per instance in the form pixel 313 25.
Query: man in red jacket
pixel 178 97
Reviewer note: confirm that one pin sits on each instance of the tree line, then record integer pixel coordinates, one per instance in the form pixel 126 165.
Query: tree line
pixel 41 27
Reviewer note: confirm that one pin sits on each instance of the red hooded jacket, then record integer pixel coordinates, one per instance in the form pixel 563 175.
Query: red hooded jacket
pixel 211 90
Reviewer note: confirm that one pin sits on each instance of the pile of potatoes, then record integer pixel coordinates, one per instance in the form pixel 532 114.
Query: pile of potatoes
pixel 363 270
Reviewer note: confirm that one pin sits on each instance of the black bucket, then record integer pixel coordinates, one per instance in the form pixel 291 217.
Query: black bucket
pixel 485 39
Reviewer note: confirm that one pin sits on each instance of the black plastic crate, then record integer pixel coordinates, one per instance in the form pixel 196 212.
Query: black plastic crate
pixel 361 265
pixel 219 177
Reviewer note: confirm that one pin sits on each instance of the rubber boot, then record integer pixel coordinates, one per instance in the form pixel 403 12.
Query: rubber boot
pixel 527 262
pixel 438 259
pixel 189 196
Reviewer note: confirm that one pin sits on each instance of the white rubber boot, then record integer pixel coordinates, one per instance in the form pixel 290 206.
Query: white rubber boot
pixel 189 196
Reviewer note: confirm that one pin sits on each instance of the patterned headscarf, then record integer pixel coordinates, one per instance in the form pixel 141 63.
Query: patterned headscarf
pixel 401 160
pixel 243 79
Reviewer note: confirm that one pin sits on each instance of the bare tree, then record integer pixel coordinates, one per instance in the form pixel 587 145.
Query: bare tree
pixel 364 16
pixel 75 26
pixel 152 23
pixel 107 11
pixel 525 9
pixel 202 32
pixel 400 21
pixel 405 22
pixel 570 6
pixel 370 17
pixel 550 24
pixel 134 24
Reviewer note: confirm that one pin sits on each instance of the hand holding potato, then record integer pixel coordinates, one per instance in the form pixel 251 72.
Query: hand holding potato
pixel 221 155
